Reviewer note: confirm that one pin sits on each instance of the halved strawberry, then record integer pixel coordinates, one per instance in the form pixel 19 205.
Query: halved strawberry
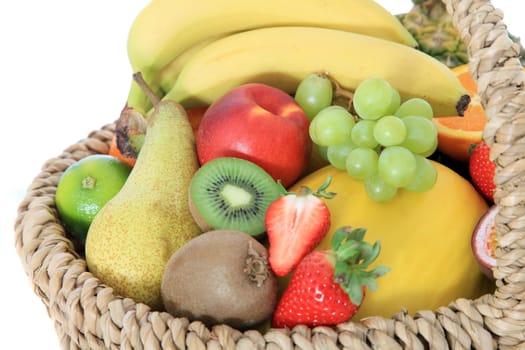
pixel 328 286
pixel 295 224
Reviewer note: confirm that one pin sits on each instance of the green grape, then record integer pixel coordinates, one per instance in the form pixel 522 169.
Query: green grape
pixel 396 166
pixel 332 126
pixel 378 190
pixel 314 93
pixel 361 163
pixel 415 106
pixel 375 98
pixel 363 134
pixel 390 131
pixel 427 153
pixel 421 134
pixel 395 103
pixel 337 154
pixel 425 178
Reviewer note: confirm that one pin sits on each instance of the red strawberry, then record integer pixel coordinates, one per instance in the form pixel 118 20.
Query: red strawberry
pixel 328 287
pixel 295 224
pixel 482 170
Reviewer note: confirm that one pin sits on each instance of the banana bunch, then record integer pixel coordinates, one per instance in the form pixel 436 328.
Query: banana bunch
pixel 194 52
pixel 167 33
pixel 283 56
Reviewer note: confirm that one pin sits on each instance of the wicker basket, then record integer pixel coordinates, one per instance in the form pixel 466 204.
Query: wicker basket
pixel 88 315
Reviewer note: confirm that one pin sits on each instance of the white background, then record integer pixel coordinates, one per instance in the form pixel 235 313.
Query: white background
pixel 65 72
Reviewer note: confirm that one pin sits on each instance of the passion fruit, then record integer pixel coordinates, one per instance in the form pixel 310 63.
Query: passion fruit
pixel 220 277
pixel 484 241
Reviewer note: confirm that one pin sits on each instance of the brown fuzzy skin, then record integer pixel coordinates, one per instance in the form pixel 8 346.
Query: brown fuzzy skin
pixel 199 220
pixel 132 237
pixel 206 280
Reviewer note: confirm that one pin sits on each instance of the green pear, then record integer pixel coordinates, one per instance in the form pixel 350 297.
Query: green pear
pixel 132 237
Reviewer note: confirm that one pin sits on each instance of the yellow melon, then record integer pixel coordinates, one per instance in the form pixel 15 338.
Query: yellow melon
pixel 425 240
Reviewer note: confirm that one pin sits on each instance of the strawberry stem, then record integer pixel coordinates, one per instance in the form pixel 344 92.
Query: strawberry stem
pixel 321 191
pixel 304 190
pixel 353 257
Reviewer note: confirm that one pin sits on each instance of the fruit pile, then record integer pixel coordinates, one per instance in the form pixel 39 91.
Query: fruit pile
pixel 283 175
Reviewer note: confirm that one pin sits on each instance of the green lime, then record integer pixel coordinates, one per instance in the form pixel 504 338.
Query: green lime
pixel 85 187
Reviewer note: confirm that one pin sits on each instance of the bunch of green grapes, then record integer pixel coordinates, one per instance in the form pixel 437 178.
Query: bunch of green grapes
pixel 385 144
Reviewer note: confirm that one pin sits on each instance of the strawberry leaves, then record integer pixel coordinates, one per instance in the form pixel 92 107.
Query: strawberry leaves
pixel 353 257
pixel 328 286
pixel 320 192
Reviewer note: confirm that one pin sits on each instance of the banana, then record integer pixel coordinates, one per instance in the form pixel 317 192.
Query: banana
pixel 168 74
pixel 166 28
pixel 283 56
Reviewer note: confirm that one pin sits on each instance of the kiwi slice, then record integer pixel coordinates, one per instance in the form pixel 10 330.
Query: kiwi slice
pixel 229 193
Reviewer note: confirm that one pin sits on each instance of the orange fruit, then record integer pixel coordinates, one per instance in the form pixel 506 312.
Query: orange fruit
pixel 456 134
pixel 85 187
pixel 115 152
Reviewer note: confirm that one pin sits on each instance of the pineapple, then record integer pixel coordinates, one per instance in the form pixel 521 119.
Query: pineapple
pixel 431 25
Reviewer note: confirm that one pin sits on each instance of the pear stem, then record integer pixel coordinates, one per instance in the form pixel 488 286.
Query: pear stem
pixel 139 79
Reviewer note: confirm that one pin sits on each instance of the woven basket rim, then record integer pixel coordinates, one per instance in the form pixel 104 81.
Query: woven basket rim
pixel 96 318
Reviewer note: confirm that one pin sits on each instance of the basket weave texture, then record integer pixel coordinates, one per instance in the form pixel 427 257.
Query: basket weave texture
pixel 88 315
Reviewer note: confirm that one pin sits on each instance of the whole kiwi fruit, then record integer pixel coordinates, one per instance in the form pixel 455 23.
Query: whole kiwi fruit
pixel 220 277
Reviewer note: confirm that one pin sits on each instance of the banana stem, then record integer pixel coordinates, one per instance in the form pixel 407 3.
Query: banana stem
pixel 139 79
pixel 341 93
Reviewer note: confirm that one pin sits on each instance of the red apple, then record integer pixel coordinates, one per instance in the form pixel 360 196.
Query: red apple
pixel 259 123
